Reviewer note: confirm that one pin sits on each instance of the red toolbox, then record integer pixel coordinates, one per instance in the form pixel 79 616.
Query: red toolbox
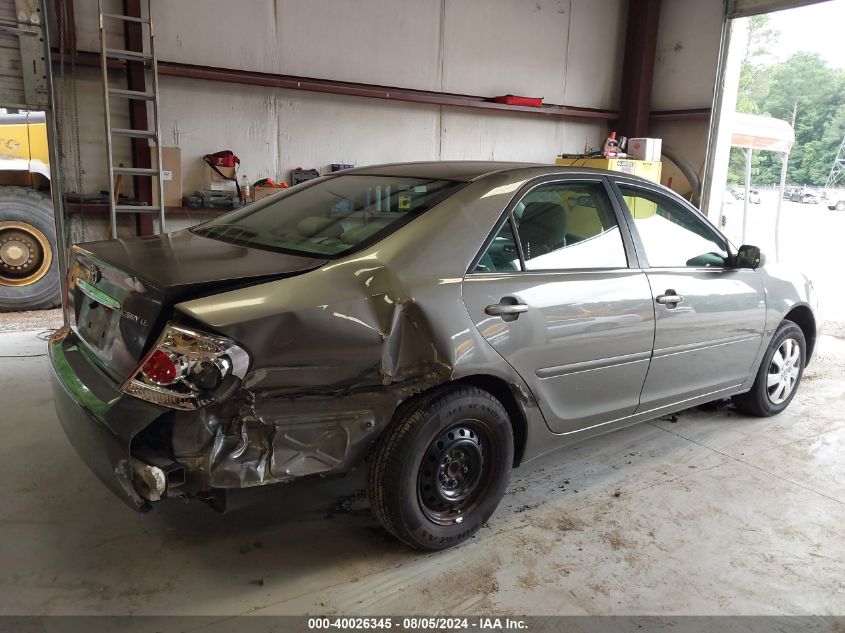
pixel 533 102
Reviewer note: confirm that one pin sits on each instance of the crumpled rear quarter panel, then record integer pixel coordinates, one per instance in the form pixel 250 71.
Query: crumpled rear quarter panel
pixel 335 350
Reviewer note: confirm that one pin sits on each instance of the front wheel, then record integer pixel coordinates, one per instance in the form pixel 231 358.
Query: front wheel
pixel 442 467
pixel 779 374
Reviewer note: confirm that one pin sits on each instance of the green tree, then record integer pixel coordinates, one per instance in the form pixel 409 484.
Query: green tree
pixel 803 90
pixel 754 81
pixel 807 92
pixel 754 78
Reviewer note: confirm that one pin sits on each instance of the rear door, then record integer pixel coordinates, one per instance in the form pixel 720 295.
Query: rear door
pixel 709 315
pixel 558 293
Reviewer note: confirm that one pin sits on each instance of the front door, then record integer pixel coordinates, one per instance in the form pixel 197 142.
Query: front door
pixel 710 315
pixel 554 295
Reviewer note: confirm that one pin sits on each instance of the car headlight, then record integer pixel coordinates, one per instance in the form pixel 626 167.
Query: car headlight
pixel 187 369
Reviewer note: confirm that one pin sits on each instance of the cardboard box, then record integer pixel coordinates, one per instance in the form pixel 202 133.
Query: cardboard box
pixel 222 185
pixel 644 148
pixel 212 176
pixel 171 175
pixel 262 192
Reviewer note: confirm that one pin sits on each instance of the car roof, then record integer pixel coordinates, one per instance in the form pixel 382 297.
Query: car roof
pixel 460 170
pixel 469 170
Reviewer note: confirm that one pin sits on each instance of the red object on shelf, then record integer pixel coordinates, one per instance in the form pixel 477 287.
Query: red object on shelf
pixel 532 102
pixel 225 158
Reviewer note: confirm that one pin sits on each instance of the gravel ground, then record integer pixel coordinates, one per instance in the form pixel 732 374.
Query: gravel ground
pixel 834 328
pixel 33 320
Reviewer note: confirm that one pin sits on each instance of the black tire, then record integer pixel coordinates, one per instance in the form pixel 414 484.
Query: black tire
pixel 764 400
pixel 19 204
pixel 463 478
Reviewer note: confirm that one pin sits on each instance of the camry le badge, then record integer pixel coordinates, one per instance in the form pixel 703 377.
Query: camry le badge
pixel 134 317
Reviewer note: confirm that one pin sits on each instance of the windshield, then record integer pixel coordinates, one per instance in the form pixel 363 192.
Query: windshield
pixel 330 217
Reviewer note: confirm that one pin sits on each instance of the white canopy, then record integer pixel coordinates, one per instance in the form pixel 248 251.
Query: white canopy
pixel 753 131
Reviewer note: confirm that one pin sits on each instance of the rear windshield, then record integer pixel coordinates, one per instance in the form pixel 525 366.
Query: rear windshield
pixel 330 217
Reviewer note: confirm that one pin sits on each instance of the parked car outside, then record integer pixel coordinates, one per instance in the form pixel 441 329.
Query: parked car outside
pixel 789 191
pixel 753 194
pixel 435 324
pixel 805 196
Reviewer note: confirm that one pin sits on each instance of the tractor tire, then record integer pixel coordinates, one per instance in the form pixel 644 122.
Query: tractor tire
pixel 29 263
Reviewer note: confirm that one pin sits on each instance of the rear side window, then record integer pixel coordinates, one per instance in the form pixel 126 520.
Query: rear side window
pixel 569 225
pixel 331 217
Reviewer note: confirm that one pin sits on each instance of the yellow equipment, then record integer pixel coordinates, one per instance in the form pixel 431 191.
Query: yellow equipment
pixel 29 277
pixel 650 170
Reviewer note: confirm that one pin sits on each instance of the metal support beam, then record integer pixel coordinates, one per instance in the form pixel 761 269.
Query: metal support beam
pixel 32 31
pixel 353 89
pixel 387 93
pixel 56 189
pixel 136 80
pixel 748 153
pixel 66 26
pixel 783 166
pixel 638 67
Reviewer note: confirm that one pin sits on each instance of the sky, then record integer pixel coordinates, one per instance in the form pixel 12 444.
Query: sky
pixel 817 28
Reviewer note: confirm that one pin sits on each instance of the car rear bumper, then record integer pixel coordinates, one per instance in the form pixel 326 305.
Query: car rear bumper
pixel 97 418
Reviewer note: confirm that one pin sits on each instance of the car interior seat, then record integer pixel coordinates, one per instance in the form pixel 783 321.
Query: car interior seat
pixel 542 228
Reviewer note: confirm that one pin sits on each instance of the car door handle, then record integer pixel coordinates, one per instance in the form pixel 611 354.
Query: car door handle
pixel 669 298
pixel 506 309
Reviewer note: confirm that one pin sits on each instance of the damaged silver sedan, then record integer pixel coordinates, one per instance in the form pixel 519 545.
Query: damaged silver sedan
pixel 435 324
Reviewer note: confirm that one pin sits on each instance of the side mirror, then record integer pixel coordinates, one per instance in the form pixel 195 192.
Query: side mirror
pixel 749 256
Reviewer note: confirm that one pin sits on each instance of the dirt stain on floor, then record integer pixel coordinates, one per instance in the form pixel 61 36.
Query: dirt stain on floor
pixel 461 583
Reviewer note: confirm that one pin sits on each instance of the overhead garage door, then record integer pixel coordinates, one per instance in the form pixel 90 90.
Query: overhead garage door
pixel 744 8
pixel 23 80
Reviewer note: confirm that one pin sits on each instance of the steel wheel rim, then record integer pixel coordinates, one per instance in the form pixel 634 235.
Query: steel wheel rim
pixel 783 371
pixel 25 254
pixel 455 472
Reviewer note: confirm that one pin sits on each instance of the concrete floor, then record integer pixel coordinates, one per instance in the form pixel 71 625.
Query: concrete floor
pixel 714 513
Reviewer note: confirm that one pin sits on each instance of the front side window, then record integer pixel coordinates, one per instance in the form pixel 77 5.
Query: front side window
pixel 569 225
pixel 672 235
pixel 331 217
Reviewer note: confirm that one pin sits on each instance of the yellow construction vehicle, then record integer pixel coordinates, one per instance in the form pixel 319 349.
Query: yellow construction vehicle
pixel 29 274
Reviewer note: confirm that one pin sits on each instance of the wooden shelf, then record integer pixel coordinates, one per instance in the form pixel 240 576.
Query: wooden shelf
pixel 103 209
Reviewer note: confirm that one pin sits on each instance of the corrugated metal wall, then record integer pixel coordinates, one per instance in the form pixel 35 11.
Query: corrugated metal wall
pixel 11 79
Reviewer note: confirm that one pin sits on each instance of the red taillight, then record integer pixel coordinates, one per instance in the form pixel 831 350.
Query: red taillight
pixel 160 368
pixel 187 369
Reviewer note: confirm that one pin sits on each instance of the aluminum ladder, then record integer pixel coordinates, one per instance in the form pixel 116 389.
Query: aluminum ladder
pixel 148 58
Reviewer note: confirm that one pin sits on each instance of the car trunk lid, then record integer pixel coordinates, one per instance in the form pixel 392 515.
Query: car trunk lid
pixel 122 291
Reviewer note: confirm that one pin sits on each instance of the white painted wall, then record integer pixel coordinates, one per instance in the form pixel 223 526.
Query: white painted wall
pixel 685 77
pixel 687 54
pixel 567 51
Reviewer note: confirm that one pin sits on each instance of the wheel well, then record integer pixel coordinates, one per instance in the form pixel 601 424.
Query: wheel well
pixel 504 394
pixel 803 318
pixel 495 386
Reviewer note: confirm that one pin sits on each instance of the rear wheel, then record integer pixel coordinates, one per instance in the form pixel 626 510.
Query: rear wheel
pixel 779 374
pixel 840 206
pixel 442 467
pixel 29 275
